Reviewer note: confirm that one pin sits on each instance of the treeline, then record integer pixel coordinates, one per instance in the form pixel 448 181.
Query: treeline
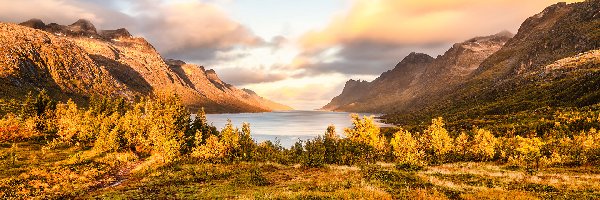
pixel 162 128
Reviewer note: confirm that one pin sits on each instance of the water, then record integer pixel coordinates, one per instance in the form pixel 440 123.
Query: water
pixel 287 126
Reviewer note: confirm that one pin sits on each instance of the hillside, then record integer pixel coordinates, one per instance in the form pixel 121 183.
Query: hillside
pixel 77 61
pixel 416 75
pixel 551 62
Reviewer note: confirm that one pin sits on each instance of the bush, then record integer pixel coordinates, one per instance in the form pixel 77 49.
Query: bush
pixel 365 131
pixel 331 143
pixel 462 146
pixel 109 136
pixel 482 148
pixel 246 143
pixel 405 148
pixel 12 129
pixel 212 151
pixel 314 156
pixel 268 151
pixel 353 153
pixel 409 167
pixel 522 152
pixel 436 143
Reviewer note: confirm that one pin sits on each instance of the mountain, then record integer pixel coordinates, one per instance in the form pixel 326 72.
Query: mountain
pixel 417 74
pixel 552 61
pixel 77 61
pixel 197 78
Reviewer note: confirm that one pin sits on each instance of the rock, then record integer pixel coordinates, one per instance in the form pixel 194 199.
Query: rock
pixel 34 23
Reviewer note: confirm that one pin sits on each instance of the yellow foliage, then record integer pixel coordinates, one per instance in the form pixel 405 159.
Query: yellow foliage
pixel 68 121
pixel 365 131
pixel 483 145
pixel 212 150
pixel 524 151
pixel 405 148
pixel 462 145
pixel 12 129
pixel 436 142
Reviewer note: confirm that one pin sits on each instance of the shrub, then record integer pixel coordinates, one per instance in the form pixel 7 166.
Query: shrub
pixel 109 136
pixel 230 140
pixel 462 146
pixel 13 130
pixel 483 145
pixel 524 152
pixel 436 142
pixel 246 143
pixel 68 122
pixel 200 127
pixel 365 131
pixel 352 153
pixel 331 143
pixel 268 151
pixel 314 156
pixel 584 147
pixel 405 148
pixel 167 127
pixel 212 151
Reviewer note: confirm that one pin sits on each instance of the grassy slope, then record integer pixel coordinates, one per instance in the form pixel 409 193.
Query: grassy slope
pixel 74 173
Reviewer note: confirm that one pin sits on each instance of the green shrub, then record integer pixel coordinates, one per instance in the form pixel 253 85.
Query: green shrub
pixel 353 153
pixel 331 143
pixel 314 156
pixel 247 146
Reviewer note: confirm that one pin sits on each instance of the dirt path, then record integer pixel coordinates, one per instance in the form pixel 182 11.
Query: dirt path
pixel 123 174
pixel 115 178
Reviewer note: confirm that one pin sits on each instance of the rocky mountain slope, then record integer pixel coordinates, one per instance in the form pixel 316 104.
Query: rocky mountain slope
pixel 417 74
pixel 552 61
pixel 77 61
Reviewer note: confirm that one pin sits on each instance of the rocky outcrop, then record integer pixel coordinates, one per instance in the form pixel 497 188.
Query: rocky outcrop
pixel 115 34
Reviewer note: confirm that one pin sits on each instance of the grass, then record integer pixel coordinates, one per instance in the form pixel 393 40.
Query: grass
pixel 80 173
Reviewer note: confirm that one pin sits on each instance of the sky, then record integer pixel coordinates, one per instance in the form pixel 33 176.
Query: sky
pixel 299 53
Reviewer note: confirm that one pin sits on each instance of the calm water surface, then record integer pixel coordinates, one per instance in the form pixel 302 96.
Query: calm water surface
pixel 287 126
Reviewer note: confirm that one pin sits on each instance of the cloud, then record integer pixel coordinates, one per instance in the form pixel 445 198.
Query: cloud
pixel 360 58
pixel 188 30
pixel 410 22
pixel 375 34
pixel 192 30
pixel 60 11
pixel 244 76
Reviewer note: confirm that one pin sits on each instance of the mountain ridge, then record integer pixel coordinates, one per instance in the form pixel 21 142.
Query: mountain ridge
pixel 414 73
pixel 552 61
pixel 117 62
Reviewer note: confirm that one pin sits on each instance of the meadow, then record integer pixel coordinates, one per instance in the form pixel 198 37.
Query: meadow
pixel 152 149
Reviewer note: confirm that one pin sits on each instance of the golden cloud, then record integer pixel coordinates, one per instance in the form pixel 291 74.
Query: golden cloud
pixel 410 22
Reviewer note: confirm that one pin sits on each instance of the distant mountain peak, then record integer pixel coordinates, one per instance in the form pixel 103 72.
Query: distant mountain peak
pixel 504 33
pixel 415 58
pixel 174 62
pixel 34 23
pixel 114 34
pixel 249 91
pixel 83 25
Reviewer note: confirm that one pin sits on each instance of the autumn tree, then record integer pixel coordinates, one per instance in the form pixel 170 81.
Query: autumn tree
pixel 365 131
pixel 436 142
pixel 406 148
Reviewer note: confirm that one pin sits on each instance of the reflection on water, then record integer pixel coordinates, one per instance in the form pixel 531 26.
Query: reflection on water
pixel 286 126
